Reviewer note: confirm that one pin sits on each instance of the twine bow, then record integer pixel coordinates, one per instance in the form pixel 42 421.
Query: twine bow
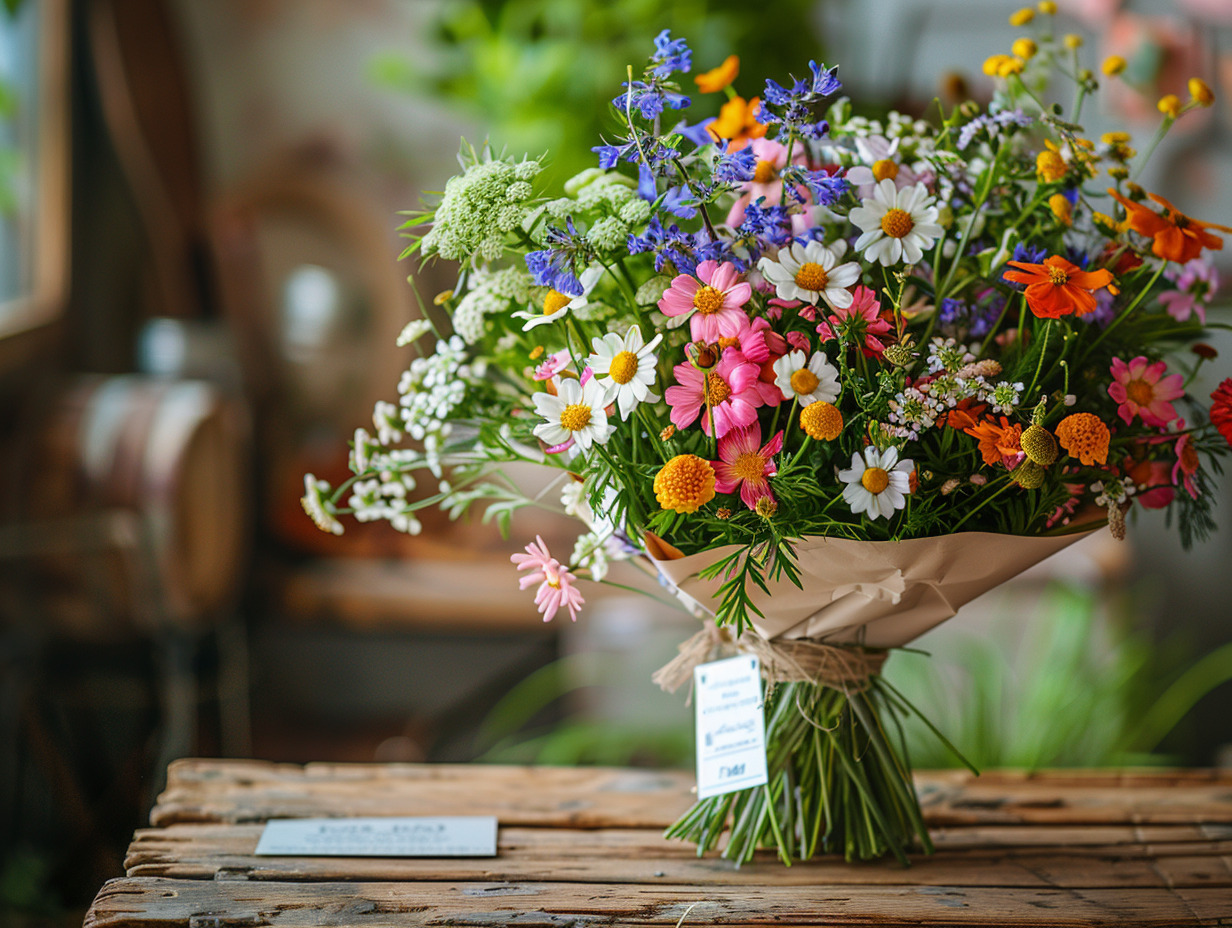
pixel 785 660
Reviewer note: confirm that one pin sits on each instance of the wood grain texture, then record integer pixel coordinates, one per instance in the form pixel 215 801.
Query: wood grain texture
pixel 201 904
pixel 583 847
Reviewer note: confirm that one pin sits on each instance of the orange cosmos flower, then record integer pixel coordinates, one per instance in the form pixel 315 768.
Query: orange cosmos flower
pixel 737 121
pixel 1058 288
pixel 716 79
pixel 1177 237
pixel 999 444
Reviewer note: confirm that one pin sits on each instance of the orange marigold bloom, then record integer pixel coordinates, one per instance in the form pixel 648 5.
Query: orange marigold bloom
pixel 716 79
pixel 737 122
pixel 997 442
pixel 1058 288
pixel 1084 436
pixel 1177 237
pixel 685 483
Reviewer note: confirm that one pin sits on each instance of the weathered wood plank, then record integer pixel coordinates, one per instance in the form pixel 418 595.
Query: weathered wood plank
pixel 642 855
pixel 148 902
pixel 248 791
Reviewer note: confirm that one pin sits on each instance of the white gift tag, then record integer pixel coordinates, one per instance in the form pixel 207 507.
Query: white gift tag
pixel 731 731
pixel 458 836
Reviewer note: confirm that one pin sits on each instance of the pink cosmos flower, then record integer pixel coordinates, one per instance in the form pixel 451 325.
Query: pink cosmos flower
pixel 1141 389
pixel 731 391
pixel 865 311
pixel 767 179
pixel 556 589
pixel 713 306
pixel 1158 493
pixel 1196 283
pixel 798 341
pixel 742 464
pixel 763 346
pixel 1186 463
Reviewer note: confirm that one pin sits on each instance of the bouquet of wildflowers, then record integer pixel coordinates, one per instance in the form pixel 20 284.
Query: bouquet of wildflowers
pixel 828 377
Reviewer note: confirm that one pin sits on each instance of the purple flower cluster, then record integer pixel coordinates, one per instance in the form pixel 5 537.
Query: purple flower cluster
pixel 791 108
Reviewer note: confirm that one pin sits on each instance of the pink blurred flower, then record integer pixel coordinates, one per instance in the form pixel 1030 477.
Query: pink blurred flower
pixel 1186 463
pixel 552 365
pixel 1065 511
pixel 712 306
pixel 767 180
pixel 731 389
pixel 1142 390
pixel 865 313
pixel 556 589
pixel 743 464
pixel 1196 283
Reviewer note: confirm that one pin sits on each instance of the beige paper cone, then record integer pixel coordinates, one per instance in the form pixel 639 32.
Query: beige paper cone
pixel 893 590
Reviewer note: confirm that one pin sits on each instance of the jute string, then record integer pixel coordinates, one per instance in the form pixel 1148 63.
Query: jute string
pixel 786 660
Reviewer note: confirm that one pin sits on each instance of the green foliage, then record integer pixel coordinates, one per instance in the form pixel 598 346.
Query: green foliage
pixel 539 73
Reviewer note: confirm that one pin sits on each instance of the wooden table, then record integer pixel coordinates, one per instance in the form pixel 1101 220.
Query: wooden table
pixel 582 847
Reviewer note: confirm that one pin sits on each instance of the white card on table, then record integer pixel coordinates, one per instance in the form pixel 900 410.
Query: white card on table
pixel 731 731
pixel 457 836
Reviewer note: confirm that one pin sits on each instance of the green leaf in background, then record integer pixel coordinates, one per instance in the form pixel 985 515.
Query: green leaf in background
pixel 539 73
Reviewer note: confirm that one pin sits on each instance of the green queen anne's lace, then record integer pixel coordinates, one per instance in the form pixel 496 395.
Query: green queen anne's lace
pixel 479 209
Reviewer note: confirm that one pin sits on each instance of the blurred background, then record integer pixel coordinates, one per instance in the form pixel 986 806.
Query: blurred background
pixel 198 303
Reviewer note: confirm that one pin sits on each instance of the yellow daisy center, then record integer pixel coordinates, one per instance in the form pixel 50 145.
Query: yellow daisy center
pixel 555 301
pixel 716 390
pixel 749 466
pixel 1057 275
pixel 708 300
pixel 875 480
pixel 685 483
pixel 623 367
pixel 1140 392
pixel 821 421
pixel 764 172
pixel 804 381
pixel 575 417
pixel 883 169
pixel 897 223
pixel 812 277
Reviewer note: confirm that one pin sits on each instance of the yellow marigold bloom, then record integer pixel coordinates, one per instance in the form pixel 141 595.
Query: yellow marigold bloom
pixel 992 64
pixel 1047 7
pixel 1103 219
pixel 1073 41
pixel 1049 165
pixel 1061 208
pixel 1169 105
pixel 1024 47
pixel 1010 65
pixel 1022 17
pixel 1201 92
pixel 442 298
pixel 536 353
pixel 1118 171
pixel 716 79
pixel 1114 138
pixel 821 421
pixel 667 433
pixel 1085 437
pixel 685 483
pixel 1113 65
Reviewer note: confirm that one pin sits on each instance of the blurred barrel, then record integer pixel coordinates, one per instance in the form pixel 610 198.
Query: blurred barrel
pixel 144 484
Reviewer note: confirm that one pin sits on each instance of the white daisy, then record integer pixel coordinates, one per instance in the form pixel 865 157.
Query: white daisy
pixel 576 412
pixel 877 483
pixel 811 272
pixel 898 225
pixel 810 380
pixel 625 368
pixel 556 304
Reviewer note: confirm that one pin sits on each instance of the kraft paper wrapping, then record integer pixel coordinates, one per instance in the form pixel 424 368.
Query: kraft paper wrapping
pixel 882 594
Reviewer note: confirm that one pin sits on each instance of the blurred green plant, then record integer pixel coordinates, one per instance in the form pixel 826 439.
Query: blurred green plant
pixel 1075 684
pixel 538 73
